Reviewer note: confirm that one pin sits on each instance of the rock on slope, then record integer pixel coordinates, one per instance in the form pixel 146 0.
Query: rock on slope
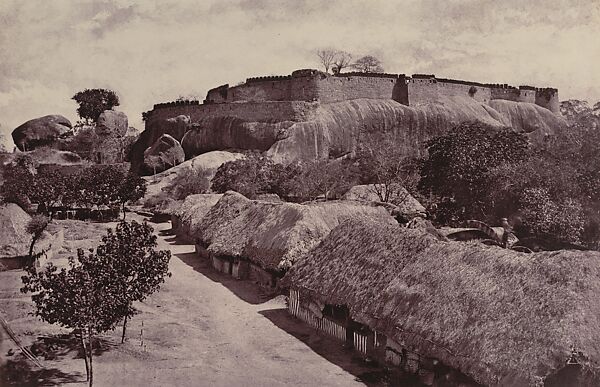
pixel 208 162
pixel 332 129
pixel 40 131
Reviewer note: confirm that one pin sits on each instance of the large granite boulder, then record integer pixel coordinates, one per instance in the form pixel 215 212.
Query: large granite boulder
pixel 173 126
pixel 112 123
pixel 165 153
pixel 42 131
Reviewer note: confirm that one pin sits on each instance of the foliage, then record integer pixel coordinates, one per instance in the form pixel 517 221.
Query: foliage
pixel 131 188
pixel 18 180
pixel 138 268
pixel 81 297
pixel 249 176
pixel 36 227
pixel 92 102
pixel 459 164
pixel 393 174
pixel 322 178
pixel 189 182
pixel 368 64
pixel 97 290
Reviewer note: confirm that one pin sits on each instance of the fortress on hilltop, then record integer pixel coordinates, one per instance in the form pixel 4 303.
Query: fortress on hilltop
pixel 292 97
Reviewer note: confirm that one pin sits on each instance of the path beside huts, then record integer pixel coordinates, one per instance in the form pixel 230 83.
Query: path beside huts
pixel 205 329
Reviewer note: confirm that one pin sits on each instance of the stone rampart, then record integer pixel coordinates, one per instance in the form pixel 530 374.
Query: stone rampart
pixel 269 111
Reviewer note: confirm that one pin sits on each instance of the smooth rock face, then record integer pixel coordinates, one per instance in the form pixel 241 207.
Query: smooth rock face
pixel 42 131
pixel 208 163
pixel 174 126
pixel 165 153
pixel 112 123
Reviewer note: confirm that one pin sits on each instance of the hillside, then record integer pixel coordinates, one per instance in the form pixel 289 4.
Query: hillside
pixel 331 130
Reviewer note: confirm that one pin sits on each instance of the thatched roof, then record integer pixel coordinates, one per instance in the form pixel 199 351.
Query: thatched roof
pixel 405 204
pixel 192 211
pixel 274 235
pixel 490 312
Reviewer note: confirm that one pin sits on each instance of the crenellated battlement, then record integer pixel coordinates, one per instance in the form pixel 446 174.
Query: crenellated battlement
pixel 310 85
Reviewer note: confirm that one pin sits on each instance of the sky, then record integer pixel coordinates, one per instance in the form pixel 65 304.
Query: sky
pixel 156 51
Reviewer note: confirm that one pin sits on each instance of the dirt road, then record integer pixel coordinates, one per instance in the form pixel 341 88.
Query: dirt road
pixel 196 331
pixel 204 329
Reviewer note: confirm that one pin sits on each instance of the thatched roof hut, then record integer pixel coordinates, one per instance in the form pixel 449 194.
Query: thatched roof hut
pixel 492 313
pixel 274 235
pixel 191 212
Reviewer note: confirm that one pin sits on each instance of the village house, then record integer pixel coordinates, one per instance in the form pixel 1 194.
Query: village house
pixel 261 240
pixel 453 313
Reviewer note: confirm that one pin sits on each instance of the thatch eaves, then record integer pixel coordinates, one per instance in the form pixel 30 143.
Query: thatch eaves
pixel 275 235
pixel 489 312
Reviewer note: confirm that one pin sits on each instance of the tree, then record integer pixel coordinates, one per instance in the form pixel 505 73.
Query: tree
pixel 342 61
pixel 458 167
pixel 48 190
pixel 138 268
pixel 92 102
pixel 36 227
pixel 368 64
pixel 249 176
pixel 132 188
pixel 327 58
pixel 81 297
pixel 323 178
pixel 189 182
pixel 18 182
pixel 393 175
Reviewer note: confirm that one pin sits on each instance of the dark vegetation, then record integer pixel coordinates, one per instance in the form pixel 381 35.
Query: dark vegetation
pixel 98 289
pixel 96 185
pixel 92 102
pixel 550 191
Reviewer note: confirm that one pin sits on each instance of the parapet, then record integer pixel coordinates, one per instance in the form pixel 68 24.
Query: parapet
pixel 176 103
pixel 372 75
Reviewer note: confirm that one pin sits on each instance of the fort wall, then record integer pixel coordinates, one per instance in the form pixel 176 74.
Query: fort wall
pixel 258 111
pixel 295 97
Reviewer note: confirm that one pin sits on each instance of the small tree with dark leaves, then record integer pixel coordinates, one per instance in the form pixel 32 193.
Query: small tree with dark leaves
pixel 83 297
pixel 36 227
pixel 132 188
pixel 92 102
pixel 138 268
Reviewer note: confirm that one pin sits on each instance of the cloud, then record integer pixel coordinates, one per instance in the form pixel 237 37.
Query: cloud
pixel 153 51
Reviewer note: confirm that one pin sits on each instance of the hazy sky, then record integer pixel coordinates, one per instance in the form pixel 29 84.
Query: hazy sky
pixel 152 52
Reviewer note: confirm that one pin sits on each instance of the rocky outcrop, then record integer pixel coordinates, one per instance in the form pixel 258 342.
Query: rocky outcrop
pixel 532 119
pixel 330 130
pixel 165 153
pixel 208 163
pixel 112 123
pixel 42 131
pixel 173 126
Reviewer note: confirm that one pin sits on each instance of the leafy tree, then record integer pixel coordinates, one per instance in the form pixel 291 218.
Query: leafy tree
pixel 189 182
pixel 323 178
pixel 368 64
pixel 457 169
pixel 249 176
pixel 81 297
pixel 92 102
pixel 138 268
pixel 132 188
pixel 36 227
pixel 17 185
pixel 393 174
pixel 49 188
